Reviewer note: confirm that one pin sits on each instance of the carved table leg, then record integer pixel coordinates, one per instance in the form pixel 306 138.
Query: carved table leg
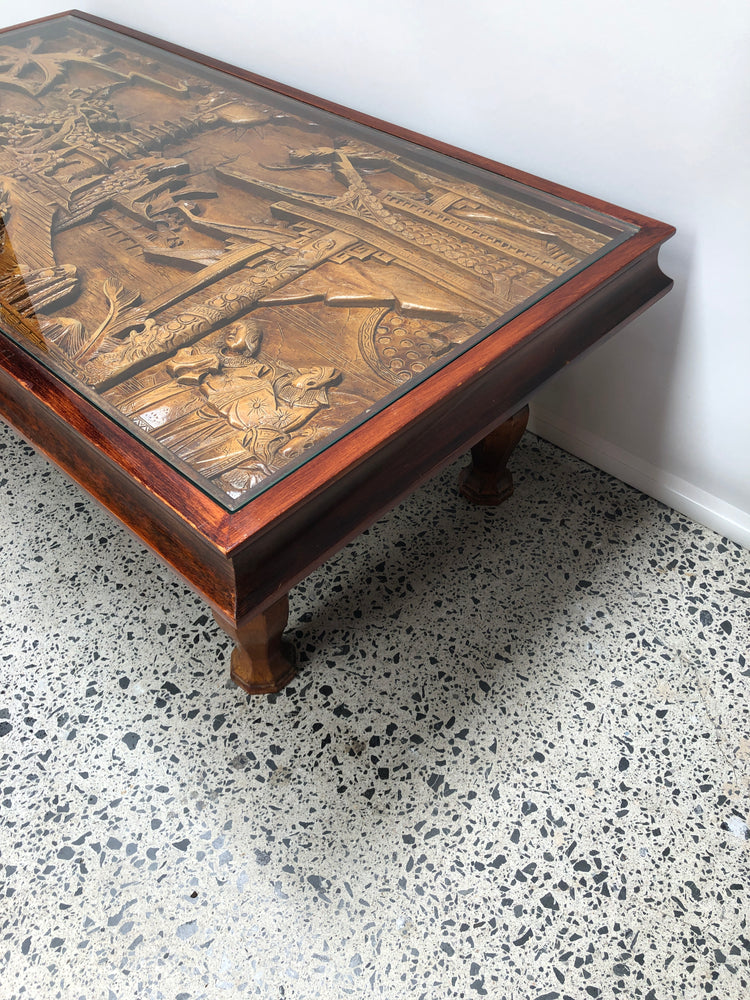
pixel 487 480
pixel 261 662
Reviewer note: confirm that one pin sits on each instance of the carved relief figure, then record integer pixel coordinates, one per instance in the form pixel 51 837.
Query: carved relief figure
pixel 231 415
pixel 237 277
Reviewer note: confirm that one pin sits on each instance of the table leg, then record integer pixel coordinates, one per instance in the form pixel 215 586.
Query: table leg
pixel 261 661
pixel 487 480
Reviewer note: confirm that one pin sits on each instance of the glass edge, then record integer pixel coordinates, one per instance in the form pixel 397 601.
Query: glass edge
pixel 527 192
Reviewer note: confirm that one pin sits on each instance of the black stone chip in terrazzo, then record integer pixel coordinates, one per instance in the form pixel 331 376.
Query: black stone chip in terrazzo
pixel 515 762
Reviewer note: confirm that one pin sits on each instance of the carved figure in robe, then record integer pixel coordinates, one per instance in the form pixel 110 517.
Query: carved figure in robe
pixel 223 408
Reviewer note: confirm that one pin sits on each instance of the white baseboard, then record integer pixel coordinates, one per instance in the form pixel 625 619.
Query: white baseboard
pixel 685 497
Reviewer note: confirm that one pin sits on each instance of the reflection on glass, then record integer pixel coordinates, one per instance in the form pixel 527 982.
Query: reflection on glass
pixel 235 276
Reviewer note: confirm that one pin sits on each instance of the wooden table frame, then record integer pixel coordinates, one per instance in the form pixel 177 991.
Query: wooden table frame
pixel 243 563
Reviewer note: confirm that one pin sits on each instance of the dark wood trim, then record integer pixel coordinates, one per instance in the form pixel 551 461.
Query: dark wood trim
pixel 270 558
pixel 111 442
pixel 43 20
pixel 640 281
pixel 94 455
pixel 243 562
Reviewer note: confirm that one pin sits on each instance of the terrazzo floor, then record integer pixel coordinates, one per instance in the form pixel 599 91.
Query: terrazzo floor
pixel 514 764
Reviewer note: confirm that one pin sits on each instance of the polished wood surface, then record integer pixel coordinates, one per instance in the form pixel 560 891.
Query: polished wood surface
pixel 242 561
pixel 233 276
pixel 487 481
pixel 262 662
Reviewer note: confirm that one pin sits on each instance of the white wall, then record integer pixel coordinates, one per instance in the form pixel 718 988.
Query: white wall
pixel 643 103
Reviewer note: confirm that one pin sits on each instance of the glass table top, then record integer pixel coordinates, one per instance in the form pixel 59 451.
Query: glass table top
pixel 236 277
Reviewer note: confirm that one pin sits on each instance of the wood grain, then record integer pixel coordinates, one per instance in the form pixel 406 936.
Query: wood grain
pixel 234 277
pixel 244 561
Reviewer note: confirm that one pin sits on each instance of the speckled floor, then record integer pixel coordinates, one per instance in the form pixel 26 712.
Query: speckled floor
pixel 514 764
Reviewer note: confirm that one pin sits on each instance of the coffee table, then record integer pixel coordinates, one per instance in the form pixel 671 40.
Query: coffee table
pixel 249 321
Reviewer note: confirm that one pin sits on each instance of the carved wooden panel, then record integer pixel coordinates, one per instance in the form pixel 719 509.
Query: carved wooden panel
pixel 236 276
